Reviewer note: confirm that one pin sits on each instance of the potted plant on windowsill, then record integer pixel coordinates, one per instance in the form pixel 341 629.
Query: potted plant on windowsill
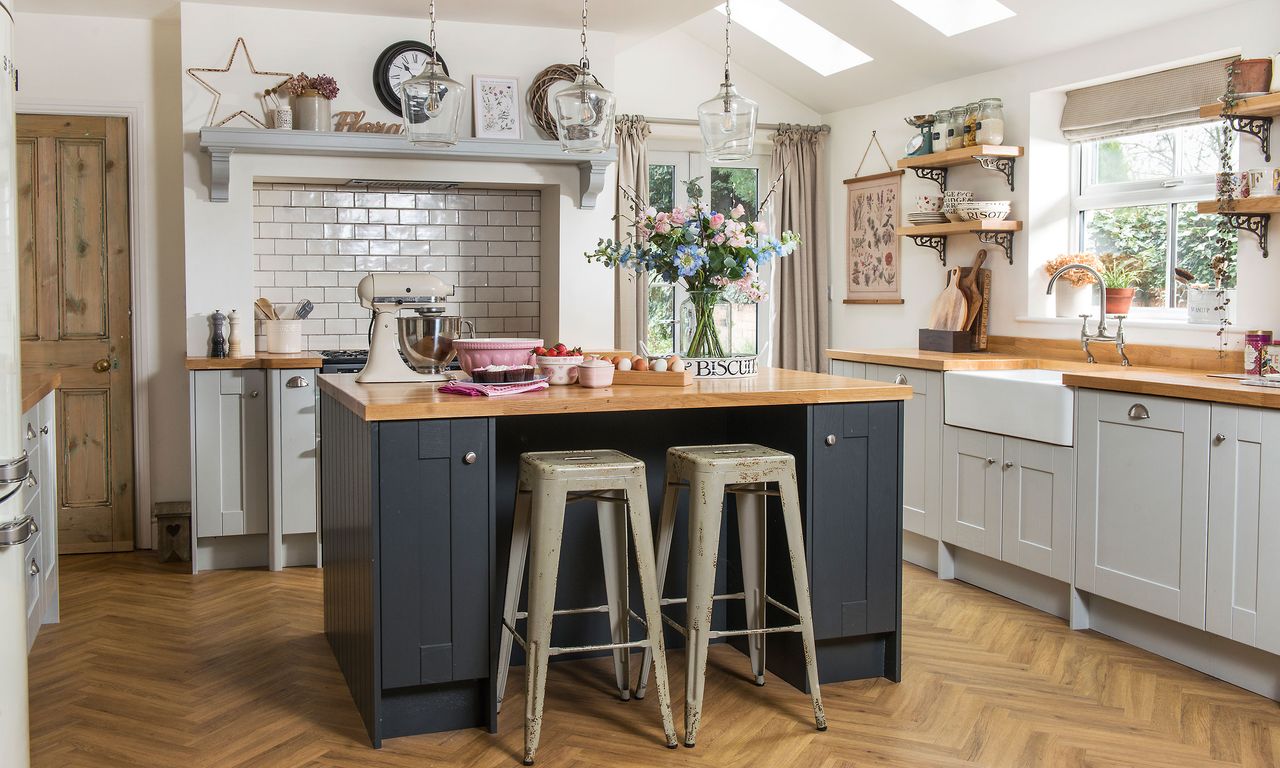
pixel 1120 275
pixel 1074 293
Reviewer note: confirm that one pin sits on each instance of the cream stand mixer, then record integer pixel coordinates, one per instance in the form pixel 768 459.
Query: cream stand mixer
pixel 426 339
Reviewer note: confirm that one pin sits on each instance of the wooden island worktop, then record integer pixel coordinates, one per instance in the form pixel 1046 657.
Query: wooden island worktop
pixel 36 383
pixel 774 386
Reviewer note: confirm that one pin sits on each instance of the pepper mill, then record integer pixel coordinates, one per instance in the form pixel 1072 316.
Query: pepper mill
pixel 218 344
pixel 233 337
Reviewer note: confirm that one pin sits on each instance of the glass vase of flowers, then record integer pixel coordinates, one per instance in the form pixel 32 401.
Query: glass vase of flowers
pixel 717 257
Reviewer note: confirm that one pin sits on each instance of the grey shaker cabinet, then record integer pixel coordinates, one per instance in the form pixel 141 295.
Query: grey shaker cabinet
pixel 1244 526
pixel 972 484
pixel 229 452
pixel 1038 497
pixel 294 428
pixel 40 552
pixel 1142 502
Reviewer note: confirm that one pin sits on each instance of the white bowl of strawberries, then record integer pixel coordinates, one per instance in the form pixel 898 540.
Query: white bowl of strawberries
pixel 558 363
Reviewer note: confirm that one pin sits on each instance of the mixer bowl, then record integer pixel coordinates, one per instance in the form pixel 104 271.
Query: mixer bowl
pixel 427 341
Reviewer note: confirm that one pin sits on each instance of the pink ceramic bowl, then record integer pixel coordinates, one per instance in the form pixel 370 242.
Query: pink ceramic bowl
pixel 478 353
pixel 559 370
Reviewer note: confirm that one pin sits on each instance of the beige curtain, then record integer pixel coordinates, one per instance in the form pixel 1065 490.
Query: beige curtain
pixel 633 175
pixel 800 292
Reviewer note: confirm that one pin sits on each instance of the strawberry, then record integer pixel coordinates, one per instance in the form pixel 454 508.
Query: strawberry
pixel 540 351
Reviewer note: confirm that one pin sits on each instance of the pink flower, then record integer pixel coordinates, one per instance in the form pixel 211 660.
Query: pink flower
pixel 738 211
pixel 718 239
pixel 717 221
pixel 738 240
pixel 761 227
pixel 678 217
pixel 663 226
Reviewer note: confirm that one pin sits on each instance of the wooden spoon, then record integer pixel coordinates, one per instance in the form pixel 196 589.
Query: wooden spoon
pixel 268 311
pixel 951 310
pixel 969 287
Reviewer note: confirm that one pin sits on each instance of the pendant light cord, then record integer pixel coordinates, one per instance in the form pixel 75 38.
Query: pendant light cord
pixel 728 49
pixel 434 56
pixel 585 62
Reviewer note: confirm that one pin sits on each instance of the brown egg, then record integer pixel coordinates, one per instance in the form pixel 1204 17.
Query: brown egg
pixel 639 364
pixel 615 360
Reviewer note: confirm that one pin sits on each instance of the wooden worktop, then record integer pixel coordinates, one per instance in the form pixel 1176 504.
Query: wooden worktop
pixel 36 383
pixel 1189 385
pixel 774 386
pixel 933 361
pixel 260 360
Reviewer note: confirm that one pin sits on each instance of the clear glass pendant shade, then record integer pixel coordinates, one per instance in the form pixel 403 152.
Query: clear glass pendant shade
pixel 584 116
pixel 728 124
pixel 432 103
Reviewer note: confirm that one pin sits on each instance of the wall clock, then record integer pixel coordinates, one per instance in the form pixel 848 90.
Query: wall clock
pixel 399 62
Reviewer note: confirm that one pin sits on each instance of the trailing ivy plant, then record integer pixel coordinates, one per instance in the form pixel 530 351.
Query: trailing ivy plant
pixel 1222 259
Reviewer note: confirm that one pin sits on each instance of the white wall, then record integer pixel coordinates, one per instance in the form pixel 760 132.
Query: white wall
pixel 1249 28
pixel 61 60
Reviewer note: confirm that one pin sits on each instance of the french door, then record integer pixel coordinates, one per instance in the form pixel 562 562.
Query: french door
pixel 724 186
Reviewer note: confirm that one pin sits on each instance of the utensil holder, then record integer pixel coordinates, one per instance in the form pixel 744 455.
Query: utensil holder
pixel 945 341
pixel 283 336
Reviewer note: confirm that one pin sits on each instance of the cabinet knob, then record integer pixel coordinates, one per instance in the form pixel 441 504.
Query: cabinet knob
pixel 1139 412
pixel 990 461
pixel 297 382
pixel 34 570
pixel 32 482
pixel 830 440
pixel 254 393
pixel 469 457
pixel 31 432
pixel 900 379
pixel 1219 439
pixel 1008 465
pixel 44 430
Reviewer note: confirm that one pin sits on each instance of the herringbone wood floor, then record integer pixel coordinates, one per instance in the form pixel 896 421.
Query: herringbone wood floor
pixel 152 667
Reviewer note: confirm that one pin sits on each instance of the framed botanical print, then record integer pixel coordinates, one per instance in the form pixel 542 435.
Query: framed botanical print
pixel 497 107
pixel 872 214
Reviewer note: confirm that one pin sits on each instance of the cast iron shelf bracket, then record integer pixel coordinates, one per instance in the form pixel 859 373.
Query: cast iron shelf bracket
pixel 935 242
pixel 1258 127
pixel 1002 239
pixel 936 175
pixel 1002 164
pixel 1257 223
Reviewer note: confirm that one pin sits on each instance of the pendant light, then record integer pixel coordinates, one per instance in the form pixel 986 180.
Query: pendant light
pixel 584 110
pixel 432 102
pixel 728 121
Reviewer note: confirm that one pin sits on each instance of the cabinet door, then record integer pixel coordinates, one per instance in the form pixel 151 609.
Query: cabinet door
pixel 434 539
pixel 229 457
pixel 847 368
pixel 293 446
pixel 971 481
pixel 1142 502
pixel 1244 526
pixel 48 514
pixel 854 555
pixel 921 447
pixel 1038 504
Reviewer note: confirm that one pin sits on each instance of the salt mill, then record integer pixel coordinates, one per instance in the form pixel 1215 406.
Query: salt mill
pixel 218 344
pixel 233 337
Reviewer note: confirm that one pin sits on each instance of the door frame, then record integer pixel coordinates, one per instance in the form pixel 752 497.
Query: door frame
pixel 141 217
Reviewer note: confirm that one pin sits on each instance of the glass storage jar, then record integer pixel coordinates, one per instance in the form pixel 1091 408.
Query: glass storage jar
pixel 955 139
pixel 971 124
pixel 942 127
pixel 990 127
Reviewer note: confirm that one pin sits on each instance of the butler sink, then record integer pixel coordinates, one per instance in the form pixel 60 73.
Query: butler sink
pixel 1031 404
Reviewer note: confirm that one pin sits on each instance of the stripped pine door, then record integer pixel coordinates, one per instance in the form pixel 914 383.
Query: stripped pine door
pixel 73 250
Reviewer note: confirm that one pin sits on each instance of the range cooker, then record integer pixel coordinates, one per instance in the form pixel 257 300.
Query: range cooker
pixel 353 360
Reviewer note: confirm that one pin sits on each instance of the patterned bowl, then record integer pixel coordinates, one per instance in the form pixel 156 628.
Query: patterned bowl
pixel 993 210
pixel 478 353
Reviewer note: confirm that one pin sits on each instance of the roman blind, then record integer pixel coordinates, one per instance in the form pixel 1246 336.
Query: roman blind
pixel 1151 102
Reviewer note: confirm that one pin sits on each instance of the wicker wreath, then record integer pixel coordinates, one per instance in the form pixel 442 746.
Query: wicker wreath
pixel 540 92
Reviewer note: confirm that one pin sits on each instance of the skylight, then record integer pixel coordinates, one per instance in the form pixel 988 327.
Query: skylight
pixel 797 35
pixel 951 18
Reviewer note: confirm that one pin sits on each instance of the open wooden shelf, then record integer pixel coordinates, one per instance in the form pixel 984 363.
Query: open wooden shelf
pixel 963 156
pixel 1258 106
pixel 989 231
pixel 1270 204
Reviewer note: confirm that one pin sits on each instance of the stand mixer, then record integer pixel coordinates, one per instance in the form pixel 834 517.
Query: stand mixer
pixel 426 340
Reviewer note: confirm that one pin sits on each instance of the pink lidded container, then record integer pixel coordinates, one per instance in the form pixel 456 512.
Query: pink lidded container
pixel 595 373
pixel 1255 344
pixel 481 353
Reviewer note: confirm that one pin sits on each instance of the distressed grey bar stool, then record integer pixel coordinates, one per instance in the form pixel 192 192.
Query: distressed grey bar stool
pixel 548 482
pixel 709 472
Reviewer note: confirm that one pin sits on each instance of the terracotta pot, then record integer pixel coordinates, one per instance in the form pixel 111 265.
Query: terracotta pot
pixel 1119 300
pixel 1253 76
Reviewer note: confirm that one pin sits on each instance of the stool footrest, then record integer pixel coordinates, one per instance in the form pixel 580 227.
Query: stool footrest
pixel 785 609
pixel 762 631
pixel 555 651
pixel 749 491
pixel 572 497
pixel 683 600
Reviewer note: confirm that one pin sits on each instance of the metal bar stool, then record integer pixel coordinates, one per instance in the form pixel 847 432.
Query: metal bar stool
pixel 548 482
pixel 709 472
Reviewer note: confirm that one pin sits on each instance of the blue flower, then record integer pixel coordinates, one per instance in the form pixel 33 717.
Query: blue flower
pixel 689 258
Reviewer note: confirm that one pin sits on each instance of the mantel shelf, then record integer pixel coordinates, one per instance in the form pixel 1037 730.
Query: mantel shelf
pixel 221 143
pixel 1252 214
pixel 990 231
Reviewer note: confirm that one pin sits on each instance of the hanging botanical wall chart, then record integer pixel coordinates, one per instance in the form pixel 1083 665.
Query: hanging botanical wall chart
pixel 871 239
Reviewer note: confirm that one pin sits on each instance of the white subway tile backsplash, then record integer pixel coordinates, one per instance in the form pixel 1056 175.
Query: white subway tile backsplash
pixel 316 242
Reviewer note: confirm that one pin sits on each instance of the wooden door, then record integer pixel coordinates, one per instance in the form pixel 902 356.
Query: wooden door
pixel 73 249
pixel 971 482
pixel 1142 502
pixel 1039 502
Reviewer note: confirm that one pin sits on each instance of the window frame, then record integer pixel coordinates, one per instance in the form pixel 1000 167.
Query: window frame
pixel 1169 191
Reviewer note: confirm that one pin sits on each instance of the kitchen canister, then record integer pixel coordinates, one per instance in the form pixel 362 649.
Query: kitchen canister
pixel 282 118
pixel 283 336
pixel 1255 346
pixel 1271 360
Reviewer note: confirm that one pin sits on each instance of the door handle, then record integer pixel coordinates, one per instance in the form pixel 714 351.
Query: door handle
pixel 18 532
pixel 297 382
pixel 32 482
pixel 900 379
pixel 102 366
pixel 31 432
pixel 1139 412
pixel 34 570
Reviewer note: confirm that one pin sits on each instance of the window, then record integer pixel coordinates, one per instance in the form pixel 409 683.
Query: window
pixel 724 187
pixel 1137 195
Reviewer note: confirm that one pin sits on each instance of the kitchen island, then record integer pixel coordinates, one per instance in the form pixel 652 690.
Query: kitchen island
pixel 417 493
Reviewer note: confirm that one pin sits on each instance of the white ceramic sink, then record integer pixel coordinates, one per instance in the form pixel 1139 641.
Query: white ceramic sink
pixel 1031 404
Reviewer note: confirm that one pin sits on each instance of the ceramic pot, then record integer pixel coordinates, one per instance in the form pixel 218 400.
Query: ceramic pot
pixel 1072 300
pixel 1206 306
pixel 1119 300
pixel 311 112
pixel 1253 76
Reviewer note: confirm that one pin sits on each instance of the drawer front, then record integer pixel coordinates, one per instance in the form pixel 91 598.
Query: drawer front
pixel 918 380
pixel 33 570
pixel 1142 411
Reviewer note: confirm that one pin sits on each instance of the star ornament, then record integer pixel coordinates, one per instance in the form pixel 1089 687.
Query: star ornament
pixel 244 89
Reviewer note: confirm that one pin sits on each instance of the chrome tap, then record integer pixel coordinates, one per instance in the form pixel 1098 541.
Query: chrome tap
pixel 1101 334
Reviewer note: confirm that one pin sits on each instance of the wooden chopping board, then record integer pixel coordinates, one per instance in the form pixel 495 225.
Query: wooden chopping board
pixel 951 310
pixel 969 287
